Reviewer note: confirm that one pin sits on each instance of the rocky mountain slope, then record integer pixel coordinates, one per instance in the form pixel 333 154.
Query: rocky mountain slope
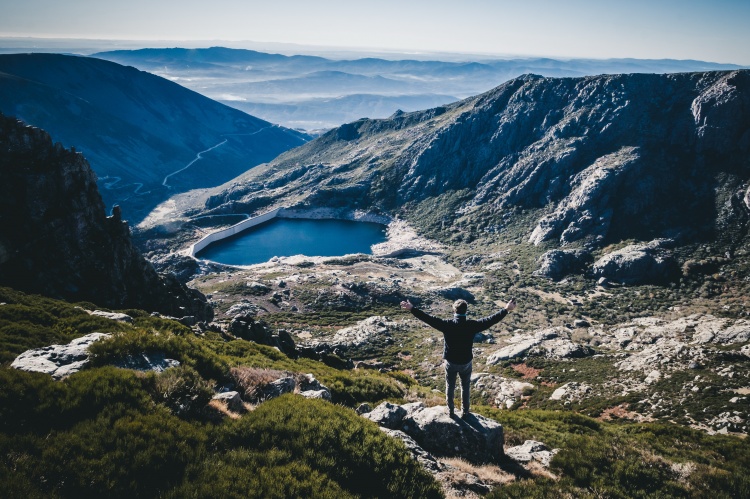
pixel 567 162
pixel 56 240
pixel 146 137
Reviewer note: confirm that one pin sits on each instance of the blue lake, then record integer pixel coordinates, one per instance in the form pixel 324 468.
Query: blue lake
pixel 295 236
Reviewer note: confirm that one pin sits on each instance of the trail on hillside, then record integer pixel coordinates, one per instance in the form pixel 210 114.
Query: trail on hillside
pixel 198 157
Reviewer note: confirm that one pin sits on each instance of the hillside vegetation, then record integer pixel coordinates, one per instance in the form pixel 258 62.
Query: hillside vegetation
pixel 123 433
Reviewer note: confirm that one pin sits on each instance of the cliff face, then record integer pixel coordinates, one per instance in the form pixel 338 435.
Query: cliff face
pixel 56 240
pixel 597 159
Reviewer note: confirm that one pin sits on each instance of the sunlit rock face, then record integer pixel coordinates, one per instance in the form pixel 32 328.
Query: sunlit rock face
pixel 56 240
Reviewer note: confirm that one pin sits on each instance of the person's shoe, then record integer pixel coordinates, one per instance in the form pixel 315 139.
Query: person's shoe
pixel 465 415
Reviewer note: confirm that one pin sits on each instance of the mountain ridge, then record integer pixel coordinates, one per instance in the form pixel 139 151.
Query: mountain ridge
pixel 598 156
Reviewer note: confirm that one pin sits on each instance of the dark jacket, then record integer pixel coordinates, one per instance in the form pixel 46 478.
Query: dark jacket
pixel 459 333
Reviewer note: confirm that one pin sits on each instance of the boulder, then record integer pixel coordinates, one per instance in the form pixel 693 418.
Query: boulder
pixel 232 399
pixel 427 460
pixel 570 392
pixel 474 438
pixel 556 264
pixel 249 328
pixel 242 308
pixel 505 392
pixel 387 415
pixel 531 451
pixel 552 343
pixel 58 360
pixel 278 388
pixel 316 394
pixel 113 315
pixel 147 361
pixel 455 293
pixel 638 264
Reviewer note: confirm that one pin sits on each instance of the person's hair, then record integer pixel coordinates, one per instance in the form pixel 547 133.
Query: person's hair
pixel 460 306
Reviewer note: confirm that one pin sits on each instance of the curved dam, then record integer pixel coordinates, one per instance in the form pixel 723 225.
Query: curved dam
pixel 286 232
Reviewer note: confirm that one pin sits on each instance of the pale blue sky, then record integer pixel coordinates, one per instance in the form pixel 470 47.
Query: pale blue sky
pixel 711 30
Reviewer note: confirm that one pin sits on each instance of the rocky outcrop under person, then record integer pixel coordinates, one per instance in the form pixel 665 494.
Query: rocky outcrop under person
pixel 638 264
pixel 474 438
pixel 58 360
pixel 56 240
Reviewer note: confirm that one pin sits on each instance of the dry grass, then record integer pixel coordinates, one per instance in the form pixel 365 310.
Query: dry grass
pixel 487 473
pixel 222 408
pixel 251 380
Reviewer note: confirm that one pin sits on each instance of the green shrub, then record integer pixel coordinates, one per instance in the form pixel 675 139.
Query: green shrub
pixel 334 442
pixel 246 473
pixel 351 389
pixel 183 390
pixel 137 455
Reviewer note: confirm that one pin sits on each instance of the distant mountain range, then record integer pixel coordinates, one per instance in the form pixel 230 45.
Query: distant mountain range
pixel 245 79
pixel 145 137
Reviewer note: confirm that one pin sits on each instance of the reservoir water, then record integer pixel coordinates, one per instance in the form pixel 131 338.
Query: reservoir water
pixel 295 236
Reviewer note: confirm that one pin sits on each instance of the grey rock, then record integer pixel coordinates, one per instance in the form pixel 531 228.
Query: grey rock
pixel 316 394
pixel 115 316
pixel 243 308
pixel 278 388
pixel 570 392
pixel 387 415
pixel 232 399
pixel 455 293
pixel 474 438
pixel 147 361
pixel 58 360
pixel 503 391
pixel 363 408
pixel 637 264
pixel 427 460
pixel 551 343
pixel 531 451
pixel 556 264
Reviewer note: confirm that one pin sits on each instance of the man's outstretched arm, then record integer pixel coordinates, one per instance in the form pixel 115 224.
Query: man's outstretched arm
pixel 488 322
pixel 435 322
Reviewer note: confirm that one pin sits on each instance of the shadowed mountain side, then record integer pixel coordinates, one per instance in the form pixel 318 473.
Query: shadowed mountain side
pixel 139 130
pixel 598 159
pixel 56 240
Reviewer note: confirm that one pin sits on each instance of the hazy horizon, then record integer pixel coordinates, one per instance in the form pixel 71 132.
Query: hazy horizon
pixel 580 29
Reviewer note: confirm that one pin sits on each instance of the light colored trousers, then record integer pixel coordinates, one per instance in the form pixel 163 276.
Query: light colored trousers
pixel 464 372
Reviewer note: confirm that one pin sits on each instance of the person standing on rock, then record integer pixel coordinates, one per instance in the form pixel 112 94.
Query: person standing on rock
pixel 459 337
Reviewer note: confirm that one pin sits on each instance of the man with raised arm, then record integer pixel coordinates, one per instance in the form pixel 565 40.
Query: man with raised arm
pixel 459 337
